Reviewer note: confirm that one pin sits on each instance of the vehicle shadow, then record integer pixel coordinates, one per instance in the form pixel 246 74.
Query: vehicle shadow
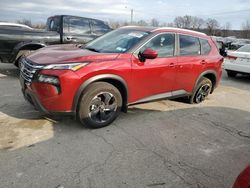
pixel 138 114
pixel 195 128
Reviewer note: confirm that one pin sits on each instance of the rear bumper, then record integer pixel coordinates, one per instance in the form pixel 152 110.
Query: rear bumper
pixel 238 67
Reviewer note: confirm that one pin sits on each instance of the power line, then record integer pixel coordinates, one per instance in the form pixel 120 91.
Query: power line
pixel 227 12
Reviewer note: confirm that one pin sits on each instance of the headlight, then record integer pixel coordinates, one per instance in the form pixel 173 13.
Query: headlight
pixel 68 66
pixel 48 79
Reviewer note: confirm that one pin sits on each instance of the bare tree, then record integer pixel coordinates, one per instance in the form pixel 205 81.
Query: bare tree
pixel 170 24
pixel 197 23
pixel 226 29
pixel 188 22
pixel 179 22
pixel 212 25
pixel 25 22
pixel 142 23
pixel 246 29
pixel 154 22
pixel 114 24
pixel 165 24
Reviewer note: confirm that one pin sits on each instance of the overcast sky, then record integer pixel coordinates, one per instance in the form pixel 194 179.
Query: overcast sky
pixel 233 11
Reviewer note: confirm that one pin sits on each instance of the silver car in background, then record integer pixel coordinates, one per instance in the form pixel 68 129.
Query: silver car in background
pixel 238 61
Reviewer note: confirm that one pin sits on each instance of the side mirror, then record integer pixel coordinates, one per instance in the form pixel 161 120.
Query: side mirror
pixel 147 54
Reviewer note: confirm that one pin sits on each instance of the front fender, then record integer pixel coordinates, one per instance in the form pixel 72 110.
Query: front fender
pixel 29 45
pixel 94 79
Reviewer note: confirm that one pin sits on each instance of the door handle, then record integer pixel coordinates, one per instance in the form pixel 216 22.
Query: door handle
pixel 70 38
pixel 171 65
pixel 203 62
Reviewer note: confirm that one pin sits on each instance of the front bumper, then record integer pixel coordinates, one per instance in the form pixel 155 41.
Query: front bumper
pixel 33 100
pixel 47 98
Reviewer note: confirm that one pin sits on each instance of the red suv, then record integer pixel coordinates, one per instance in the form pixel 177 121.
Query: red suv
pixel 126 66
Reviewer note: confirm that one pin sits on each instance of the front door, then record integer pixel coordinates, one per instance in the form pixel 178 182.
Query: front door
pixel 155 77
pixel 76 30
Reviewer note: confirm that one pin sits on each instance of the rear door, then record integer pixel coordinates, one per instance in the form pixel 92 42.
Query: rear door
pixel 190 63
pixel 76 30
pixel 155 76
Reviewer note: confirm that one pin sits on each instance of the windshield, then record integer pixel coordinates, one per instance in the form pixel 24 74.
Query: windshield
pixel 117 41
pixel 245 48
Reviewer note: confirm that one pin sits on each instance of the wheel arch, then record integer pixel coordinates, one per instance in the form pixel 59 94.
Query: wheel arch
pixel 211 75
pixel 25 46
pixel 113 79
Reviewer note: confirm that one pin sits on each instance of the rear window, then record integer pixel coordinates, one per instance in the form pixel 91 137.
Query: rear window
pixel 205 47
pixel 189 46
pixel 76 25
pixel 245 48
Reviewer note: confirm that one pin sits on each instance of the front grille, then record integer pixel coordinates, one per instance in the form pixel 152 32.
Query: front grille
pixel 28 70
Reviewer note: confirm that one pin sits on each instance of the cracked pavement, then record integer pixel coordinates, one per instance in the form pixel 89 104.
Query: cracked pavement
pixel 161 144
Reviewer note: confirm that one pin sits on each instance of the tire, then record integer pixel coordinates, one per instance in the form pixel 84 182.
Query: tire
pixel 231 74
pixel 100 104
pixel 202 90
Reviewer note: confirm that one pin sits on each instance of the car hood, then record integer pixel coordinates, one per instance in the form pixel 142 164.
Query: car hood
pixel 57 54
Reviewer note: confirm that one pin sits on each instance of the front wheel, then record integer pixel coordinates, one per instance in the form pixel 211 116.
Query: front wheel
pixel 100 105
pixel 203 89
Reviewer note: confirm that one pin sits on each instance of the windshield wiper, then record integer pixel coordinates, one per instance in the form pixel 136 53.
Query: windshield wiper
pixel 92 49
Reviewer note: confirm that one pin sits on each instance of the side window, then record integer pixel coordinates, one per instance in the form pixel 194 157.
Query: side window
pixel 54 24
pixel 76 25
pixel 66 24
pixel 99 26
pixel 164 45
pixel 189 46
pixel 205 47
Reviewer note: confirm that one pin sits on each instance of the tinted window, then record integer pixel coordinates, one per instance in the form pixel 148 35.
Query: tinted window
pixel 164 45
pixel 245 48
pixel 53 24
pixel 189 46
pixel 76 25
pixel 205 47
pixel 99 26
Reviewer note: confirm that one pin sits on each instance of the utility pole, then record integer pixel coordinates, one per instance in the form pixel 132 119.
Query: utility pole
pixel 132 15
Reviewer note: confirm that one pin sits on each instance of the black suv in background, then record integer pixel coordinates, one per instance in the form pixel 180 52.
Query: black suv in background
pixel 60 29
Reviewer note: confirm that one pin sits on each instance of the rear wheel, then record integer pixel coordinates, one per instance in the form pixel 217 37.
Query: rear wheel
pixel 202 90
pixel 231 74
pixel 100 105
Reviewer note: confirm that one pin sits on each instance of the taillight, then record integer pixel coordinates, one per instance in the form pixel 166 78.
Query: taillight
pixel 231 57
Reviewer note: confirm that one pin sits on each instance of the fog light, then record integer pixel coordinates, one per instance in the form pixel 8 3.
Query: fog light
pixel 48 79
